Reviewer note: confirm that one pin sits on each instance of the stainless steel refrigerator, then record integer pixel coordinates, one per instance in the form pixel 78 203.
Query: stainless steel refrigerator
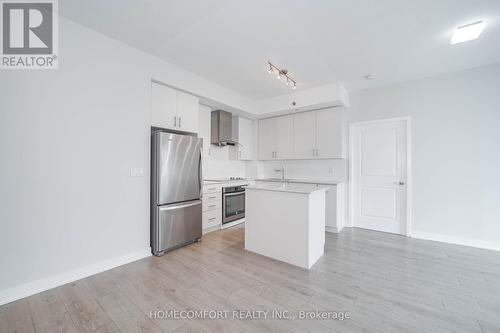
pixel 176 190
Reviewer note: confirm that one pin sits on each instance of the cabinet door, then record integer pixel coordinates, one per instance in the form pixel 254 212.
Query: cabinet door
pixel 204 128
pixel 187 112
pixel 331 208
pixel 163 106
pixel 304 136
pixel 284 137
pixel 330 133
pixel 266 139
pixel 245 138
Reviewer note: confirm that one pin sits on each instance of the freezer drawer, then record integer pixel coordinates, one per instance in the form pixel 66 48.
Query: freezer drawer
pixel 176 225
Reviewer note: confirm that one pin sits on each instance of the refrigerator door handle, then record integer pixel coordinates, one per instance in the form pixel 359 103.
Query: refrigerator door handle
pixel 177 206
pixel 200 171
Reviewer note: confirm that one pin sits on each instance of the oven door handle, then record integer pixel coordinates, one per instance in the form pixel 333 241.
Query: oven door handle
pixel 234 193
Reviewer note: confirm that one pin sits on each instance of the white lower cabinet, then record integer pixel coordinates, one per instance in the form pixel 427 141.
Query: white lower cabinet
pixel 211 201
pixel 212 219
pixel 212 207
pixel 331 209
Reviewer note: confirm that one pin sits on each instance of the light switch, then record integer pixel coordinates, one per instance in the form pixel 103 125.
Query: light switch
pixel 136 172
pixel 330 171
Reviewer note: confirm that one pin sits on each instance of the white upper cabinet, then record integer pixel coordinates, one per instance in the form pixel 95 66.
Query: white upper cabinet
pixel 243 134
pixel 329 134
pixel 173 109
pixel 276 138
pixel 284 138
pixel 204 128
pixel 187 112
pixel 304 135
pixel 267 145
pixel 164 106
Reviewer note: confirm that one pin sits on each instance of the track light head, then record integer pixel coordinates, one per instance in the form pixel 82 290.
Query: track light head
pixel 281 73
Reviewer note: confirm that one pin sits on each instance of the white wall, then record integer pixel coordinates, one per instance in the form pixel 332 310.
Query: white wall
pixel 68 139
pixel 456 150
pixel 216 160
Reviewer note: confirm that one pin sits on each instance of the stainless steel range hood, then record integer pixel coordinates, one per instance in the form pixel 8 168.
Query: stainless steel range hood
pixel 221 131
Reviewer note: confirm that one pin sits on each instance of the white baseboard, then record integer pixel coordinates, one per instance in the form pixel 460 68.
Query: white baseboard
pixel 232 224
pixel 333 229
pixel 35 287
pixel 456 240
pixel 211 229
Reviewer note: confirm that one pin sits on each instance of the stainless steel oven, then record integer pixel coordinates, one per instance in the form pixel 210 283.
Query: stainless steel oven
pixel 233 203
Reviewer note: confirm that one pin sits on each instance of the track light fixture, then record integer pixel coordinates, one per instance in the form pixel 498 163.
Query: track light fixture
pixel 282 73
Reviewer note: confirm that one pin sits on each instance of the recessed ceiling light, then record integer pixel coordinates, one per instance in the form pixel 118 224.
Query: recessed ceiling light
pixel 467 32
pixel 370 76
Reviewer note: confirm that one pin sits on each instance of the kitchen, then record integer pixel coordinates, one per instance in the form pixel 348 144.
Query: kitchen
pixel 263 166
pixel 229 148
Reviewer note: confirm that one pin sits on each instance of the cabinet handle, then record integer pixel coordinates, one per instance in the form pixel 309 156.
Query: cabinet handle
pixel 175 121
pixel 211 219
pixel 314 152
pixel 212 197
pixel 180 122
pixel 211 206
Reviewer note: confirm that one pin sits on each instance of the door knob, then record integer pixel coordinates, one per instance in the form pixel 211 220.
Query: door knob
pixel 400 183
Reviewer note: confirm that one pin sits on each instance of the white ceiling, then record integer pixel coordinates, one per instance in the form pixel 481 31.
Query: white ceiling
pixel 318 41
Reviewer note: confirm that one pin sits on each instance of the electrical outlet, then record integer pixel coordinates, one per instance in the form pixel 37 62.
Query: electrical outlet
pixel 136 172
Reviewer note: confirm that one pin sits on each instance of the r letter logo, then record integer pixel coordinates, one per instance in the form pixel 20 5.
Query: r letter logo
pixel 29 35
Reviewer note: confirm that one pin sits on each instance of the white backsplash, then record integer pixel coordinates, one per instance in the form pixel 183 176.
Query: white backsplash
pixel 217 164
pixel 331 169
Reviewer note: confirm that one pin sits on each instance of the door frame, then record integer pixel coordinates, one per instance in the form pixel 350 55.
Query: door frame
pixel 409 181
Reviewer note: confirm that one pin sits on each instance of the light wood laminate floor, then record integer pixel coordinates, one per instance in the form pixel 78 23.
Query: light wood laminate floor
pixel 388 283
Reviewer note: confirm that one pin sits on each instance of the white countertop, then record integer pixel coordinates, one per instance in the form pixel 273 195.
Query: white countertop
pixel 227 182
pixel 304 181
pixel 288 187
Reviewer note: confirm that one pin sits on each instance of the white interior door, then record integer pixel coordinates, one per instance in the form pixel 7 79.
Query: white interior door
pixel 379 175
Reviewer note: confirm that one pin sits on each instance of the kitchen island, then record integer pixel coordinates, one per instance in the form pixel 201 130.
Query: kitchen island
pixel 286 222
